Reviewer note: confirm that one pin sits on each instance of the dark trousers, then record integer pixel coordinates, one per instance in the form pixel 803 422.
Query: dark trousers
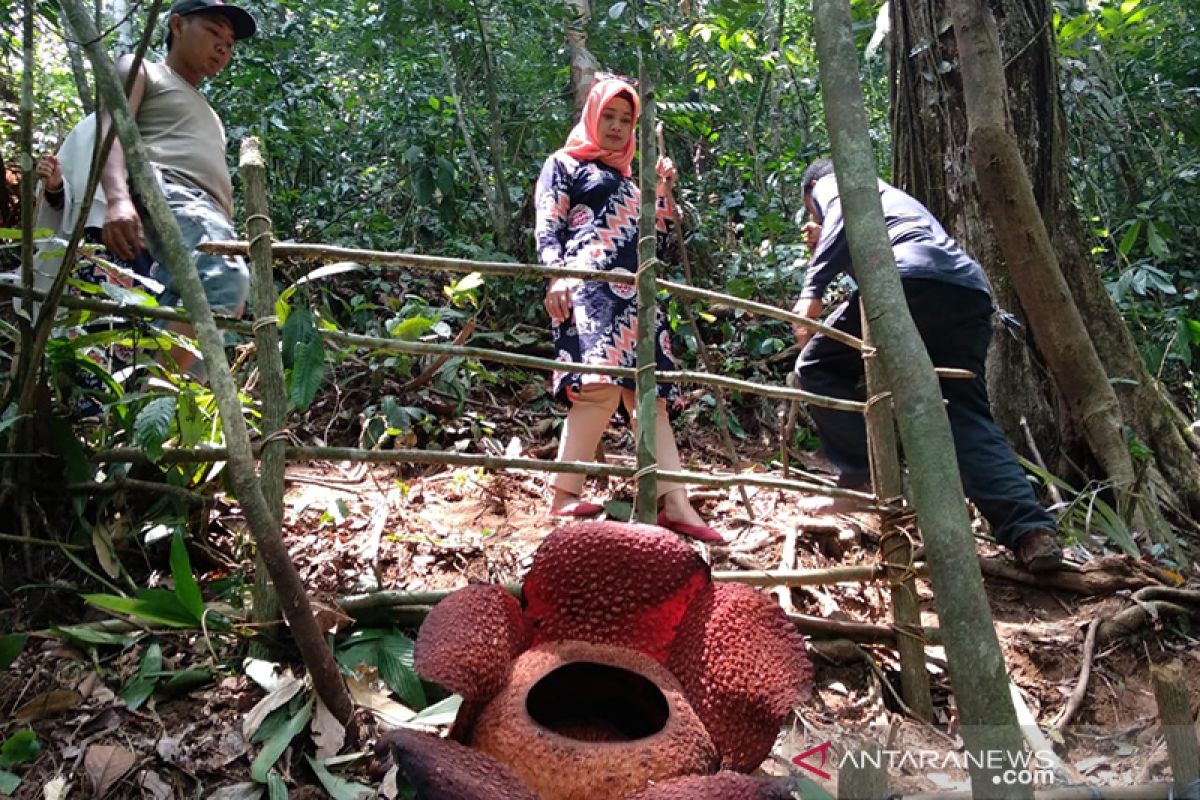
pixel 955 324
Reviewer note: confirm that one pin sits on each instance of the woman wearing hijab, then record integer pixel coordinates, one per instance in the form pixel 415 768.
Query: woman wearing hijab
pixel 587 217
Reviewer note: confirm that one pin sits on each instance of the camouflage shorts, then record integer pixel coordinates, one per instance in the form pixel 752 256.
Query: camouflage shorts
pixel 225 279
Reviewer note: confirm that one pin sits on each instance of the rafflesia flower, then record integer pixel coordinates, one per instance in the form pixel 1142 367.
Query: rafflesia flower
pixel 627 674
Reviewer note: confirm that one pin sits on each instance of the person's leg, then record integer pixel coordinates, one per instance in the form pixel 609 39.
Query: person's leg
pixel 955 323
pixel 591 409
pixel 832 369
pixel 225 280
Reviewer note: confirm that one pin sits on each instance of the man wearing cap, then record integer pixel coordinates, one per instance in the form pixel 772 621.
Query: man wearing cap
pixel 185 143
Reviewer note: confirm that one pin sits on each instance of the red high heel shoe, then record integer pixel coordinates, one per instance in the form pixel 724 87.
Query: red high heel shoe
pixel 701 533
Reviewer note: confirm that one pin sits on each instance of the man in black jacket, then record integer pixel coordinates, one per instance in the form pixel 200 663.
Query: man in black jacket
pixel 948 298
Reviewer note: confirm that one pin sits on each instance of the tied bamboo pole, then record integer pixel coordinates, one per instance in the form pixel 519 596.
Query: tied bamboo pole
pixel 895 547
pixel 324 252
pixel 646 499
pixel 1175 717
pixel 253 172
pixel 690 318
pixel 314 650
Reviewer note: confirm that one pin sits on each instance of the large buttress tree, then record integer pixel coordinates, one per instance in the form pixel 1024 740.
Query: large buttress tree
pixel 931 160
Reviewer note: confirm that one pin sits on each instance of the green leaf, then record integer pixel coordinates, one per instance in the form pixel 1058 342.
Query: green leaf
pixel 442 712
pixel 1130 238
pixel 152 605
pixel 300 326
pixel 338 788
pixel 616 10
pixel 307 373
pixel 186 588
pixel 273 748
pixel 619 510
pixel 186 679
pixel 81 634
pixel 139 688
pixel 276 788
pixel 1158 244
pixel 8 782
pixel 11 646
pixel 811 790
pixel 20 748
pixel 395 661
pixel 423 184
pixel 153 425
pixel 411 328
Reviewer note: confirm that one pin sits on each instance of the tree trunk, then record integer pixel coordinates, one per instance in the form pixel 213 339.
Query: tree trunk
pixel 976 663
pixel 930 159
pixel 583 64
pixel 314 650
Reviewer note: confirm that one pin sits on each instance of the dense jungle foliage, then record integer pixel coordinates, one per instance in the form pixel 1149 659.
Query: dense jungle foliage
pixel 414 126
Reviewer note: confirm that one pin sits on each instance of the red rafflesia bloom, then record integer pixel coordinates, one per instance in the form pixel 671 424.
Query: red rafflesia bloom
pixel 627 674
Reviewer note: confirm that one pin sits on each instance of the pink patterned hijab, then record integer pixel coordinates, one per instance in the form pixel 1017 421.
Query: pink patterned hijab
pixel 582 143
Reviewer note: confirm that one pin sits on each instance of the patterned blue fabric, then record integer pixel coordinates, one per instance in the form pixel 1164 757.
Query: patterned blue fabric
pixel 587 218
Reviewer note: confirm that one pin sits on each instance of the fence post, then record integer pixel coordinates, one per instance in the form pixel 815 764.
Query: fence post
pixel 1175 717
pixel 895 547
pixel 646 502
pixel 253 171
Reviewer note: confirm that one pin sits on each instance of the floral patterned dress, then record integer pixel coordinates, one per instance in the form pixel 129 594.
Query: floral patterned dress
pixel 587 218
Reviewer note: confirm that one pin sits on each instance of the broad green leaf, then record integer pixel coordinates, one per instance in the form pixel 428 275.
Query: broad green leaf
pixel 1130 238
pixel 82 634
pixel 423 184
pixel 185 679
pixel 1158 245
pixel 301 326
pixel 8 782
pixel 141 685
pixel 811 790
pixel 20 748
pixel 617 9
pixel 11 646
pixel 186 588
pixel 307 372
pixel 395 661
pixel 276 788
pixel 273 748
pixel 151 605
pixel 338 788
pixel 411 328
pixel 153 425
pixel 442 712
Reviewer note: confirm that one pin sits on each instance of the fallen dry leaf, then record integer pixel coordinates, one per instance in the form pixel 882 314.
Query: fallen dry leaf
pixel 55 789
pixel 153 785
pixel 327 733
pixel 330 618
pixel 48 704
pixel 386 710
pixel 106 764
pixel 285 691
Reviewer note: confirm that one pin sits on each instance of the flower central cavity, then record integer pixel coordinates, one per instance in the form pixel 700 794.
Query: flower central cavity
pixel 598 703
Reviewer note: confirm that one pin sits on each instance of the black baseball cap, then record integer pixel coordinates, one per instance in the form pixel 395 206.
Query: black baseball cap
pixel 243 23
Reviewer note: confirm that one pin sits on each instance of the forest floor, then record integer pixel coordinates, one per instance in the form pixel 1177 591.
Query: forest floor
pixel 354 529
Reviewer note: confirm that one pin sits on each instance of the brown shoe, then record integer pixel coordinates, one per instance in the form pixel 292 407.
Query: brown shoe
pixel 1039 551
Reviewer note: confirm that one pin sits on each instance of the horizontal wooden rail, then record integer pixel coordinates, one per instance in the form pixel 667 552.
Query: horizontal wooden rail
pixel 320 252
pixel 358 340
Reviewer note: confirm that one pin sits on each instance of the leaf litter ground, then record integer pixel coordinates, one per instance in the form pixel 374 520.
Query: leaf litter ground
pixel 353 529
